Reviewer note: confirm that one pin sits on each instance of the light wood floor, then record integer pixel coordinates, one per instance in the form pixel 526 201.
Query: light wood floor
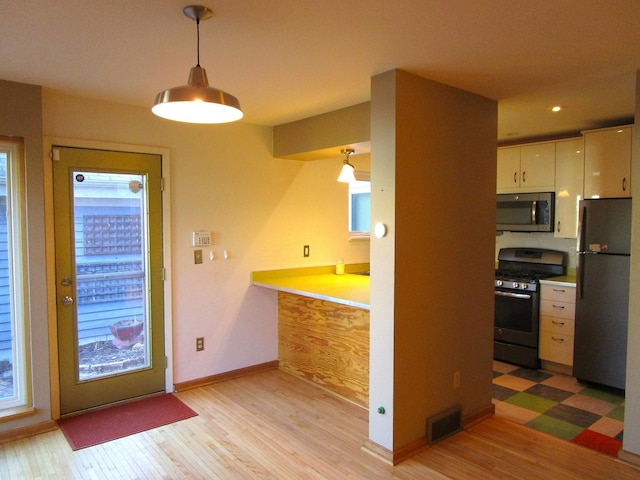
pixel 274 425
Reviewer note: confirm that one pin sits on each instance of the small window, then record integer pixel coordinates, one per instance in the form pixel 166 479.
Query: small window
pixel 360 205
pixel 14 371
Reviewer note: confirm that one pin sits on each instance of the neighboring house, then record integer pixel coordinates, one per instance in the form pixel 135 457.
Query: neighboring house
pixel 109 270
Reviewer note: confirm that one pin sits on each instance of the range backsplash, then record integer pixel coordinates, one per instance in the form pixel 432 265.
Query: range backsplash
pixel 538 240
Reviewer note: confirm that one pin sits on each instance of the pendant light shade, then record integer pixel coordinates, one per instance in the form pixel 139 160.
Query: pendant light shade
pixel 346 175
pixel 197 102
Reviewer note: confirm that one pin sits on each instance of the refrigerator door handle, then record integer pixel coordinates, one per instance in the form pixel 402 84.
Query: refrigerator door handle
pixel 580 252
pixel 582 217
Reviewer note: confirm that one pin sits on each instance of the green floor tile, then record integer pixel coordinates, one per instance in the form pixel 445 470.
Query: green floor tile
pixel 555 427
pixel 602 395
pixel 617 414
pixel 531 402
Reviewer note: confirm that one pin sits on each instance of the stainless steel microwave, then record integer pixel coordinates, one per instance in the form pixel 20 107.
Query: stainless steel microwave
pixel 525 212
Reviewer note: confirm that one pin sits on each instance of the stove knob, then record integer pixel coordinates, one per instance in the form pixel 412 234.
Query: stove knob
pixel 525 286
pixel 516 285
pixel 499 283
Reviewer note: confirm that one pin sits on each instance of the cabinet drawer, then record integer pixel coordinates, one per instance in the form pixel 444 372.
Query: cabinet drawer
pixel 558 292
pixel 562 326
pixel 554 308
pixel 557 348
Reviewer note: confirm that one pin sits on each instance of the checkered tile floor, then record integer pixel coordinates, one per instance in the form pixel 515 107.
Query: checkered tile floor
pixel 559 405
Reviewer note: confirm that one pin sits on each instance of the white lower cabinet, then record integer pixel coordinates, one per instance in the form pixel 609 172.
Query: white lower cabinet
pixel 557 323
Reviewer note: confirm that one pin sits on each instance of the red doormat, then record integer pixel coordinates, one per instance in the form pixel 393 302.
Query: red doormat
pixel 99 426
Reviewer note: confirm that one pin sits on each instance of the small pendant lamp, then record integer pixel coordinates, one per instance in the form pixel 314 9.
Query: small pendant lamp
pixel 346 175
pixel 197 102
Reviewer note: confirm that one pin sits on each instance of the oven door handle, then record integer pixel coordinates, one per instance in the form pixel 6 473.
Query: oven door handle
pixel 513 295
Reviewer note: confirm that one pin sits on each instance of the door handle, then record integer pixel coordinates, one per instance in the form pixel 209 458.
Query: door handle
pixel 512 295
pixel 67 300
pixel 66 282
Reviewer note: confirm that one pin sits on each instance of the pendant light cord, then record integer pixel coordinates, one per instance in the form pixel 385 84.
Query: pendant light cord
pixel 198 42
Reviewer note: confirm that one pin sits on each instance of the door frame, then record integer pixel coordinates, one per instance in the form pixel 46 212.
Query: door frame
pixel 49 142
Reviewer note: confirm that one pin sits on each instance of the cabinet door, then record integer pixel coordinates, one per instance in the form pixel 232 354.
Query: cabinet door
pixel 569 186
pixel 538 167
pixel 508 179
pixel 607 163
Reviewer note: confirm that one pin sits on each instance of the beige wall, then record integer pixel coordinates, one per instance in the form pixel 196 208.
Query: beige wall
pixel 224 179
pixel 440 144
pixel 631 441
pixel 260 209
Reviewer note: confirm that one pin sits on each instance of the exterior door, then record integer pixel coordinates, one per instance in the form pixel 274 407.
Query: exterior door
pixel 109 276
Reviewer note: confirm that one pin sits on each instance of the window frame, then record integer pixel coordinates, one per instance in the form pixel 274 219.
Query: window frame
pixel 361 177
pixel 17 271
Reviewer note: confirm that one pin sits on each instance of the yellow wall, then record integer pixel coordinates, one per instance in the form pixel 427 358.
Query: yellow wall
pixel 224 179
pixel 440 144
pixel 262 210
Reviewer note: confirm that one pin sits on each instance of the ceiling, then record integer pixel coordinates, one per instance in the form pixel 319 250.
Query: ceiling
pixel 291 59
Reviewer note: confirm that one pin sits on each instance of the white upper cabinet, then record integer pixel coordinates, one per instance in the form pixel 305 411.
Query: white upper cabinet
pixel 527 168
pixel 607 163
pixel 569 184
pixel 508 169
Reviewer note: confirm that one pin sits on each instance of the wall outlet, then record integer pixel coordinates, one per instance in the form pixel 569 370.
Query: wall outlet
pixel 456 379
pixel 199 344
pixel 305 251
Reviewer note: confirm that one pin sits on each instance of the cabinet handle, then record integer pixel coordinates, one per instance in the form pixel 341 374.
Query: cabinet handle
pixel 555 322
pixel 515 177
pixel 559 290
pixel 624 184
pixel 559 307
pixel 558 226
pixel 559 340
pixel 524 177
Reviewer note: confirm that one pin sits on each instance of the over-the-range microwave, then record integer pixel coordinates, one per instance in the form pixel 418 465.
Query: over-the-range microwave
pixel 525 212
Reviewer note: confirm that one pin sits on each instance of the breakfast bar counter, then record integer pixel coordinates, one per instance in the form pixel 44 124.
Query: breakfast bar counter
pixel 323 326
pixel 322 283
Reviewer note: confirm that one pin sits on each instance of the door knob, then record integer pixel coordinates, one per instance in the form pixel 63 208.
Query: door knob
pixel 67 300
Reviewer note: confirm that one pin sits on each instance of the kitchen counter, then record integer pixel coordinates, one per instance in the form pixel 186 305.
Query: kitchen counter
pixel 323 326
pixel 564 280
pixel 320 282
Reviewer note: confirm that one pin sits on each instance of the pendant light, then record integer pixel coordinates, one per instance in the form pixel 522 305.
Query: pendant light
pixel 346 175
pixel 197 102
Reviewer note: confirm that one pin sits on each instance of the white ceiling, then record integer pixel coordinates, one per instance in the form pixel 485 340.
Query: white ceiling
pixel 290 59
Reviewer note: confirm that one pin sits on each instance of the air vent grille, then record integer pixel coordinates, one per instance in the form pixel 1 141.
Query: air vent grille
pixel 444 424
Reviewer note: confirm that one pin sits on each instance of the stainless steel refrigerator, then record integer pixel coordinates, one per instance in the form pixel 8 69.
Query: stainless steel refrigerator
pixel 602 296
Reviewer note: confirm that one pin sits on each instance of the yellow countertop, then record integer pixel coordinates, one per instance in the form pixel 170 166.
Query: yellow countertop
pixel 318 282
pixel 564 280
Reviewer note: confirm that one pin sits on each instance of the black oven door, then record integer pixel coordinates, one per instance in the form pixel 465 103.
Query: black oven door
pixel 516 317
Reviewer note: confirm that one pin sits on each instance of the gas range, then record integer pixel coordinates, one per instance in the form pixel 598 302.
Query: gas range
pixel 516 286
pixel 522 268
pixel 520 280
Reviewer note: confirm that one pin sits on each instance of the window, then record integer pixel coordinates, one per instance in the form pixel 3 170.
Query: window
pixel 13 310
pixel 360 205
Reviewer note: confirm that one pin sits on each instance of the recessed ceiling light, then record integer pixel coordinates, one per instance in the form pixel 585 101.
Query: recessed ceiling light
pixel 557 108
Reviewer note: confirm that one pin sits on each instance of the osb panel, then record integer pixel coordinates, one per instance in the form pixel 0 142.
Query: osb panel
pixel 326 343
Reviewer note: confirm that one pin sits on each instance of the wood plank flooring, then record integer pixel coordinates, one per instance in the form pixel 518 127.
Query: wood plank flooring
pixel 273 425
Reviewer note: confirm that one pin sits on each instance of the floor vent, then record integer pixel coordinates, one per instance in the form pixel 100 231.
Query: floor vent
pixel 444 424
